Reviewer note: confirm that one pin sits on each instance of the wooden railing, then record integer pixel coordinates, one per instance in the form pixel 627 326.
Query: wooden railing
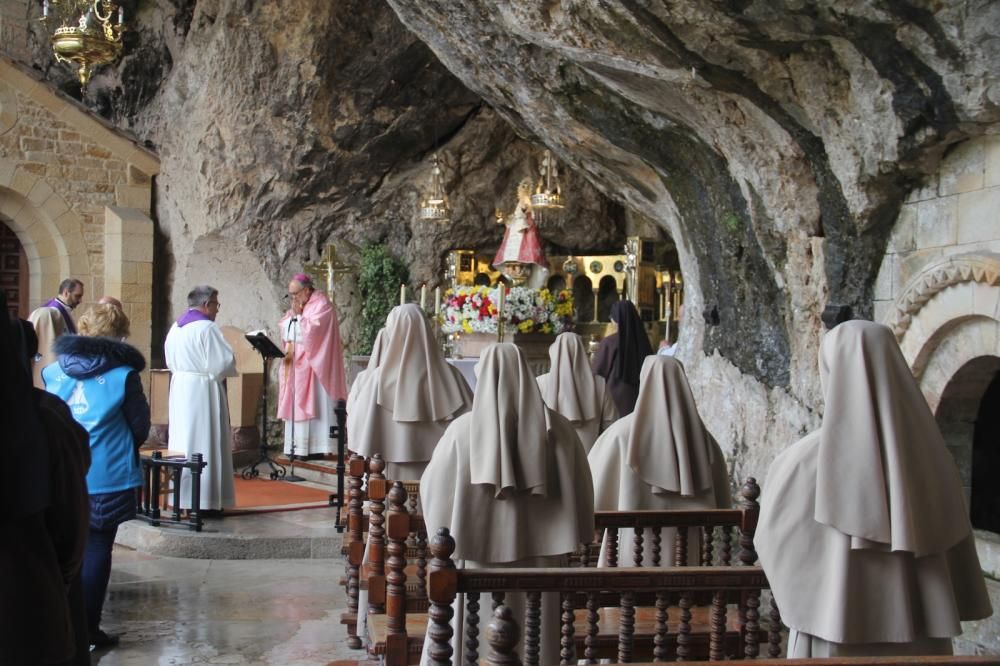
pixel 157 470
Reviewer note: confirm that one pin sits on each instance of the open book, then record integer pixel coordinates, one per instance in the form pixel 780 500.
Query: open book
pixel 263 344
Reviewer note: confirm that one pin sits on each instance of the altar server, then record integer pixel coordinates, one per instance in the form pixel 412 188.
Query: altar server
pixel 200 359
pixel 402 404
pixel 620 355
pixel 867 514
pixel 660 456
pixel 49 325
pixel 510 481
pixel 571 389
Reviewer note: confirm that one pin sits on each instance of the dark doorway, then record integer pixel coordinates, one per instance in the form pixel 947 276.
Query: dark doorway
pixel 985 504
pixel 13 272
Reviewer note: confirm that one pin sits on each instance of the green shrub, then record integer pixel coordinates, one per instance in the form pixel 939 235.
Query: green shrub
pixel 381 275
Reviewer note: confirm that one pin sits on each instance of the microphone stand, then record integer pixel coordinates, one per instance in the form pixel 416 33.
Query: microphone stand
pixel 292 477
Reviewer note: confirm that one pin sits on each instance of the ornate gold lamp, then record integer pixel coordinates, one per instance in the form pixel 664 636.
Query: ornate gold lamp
pixel 87 32
pixel 548 193
pixel 434 204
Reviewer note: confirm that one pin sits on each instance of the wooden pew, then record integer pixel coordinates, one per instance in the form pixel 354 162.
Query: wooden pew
pixel 411 601
pixel 368 529
pixel 717 586
pixel 502 634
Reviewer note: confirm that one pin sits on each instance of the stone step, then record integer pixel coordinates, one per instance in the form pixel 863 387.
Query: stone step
pixel 305 534
pixel 323 472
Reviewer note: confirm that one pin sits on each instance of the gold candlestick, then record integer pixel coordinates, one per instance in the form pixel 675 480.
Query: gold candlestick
pixel 500 319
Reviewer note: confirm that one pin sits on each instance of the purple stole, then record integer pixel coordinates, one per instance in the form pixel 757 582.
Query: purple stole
pixel 190 316
pixel 66 315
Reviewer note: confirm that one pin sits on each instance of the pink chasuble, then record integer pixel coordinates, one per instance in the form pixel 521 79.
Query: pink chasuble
pixel 317 356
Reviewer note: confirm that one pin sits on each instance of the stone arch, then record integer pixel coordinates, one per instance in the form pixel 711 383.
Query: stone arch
pixel 947 322
pixel 50 232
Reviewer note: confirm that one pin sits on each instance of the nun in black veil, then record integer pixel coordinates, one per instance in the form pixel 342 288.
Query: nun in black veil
pixel 620 355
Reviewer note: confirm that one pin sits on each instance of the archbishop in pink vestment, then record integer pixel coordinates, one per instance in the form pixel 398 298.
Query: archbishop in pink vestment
pixel 314 375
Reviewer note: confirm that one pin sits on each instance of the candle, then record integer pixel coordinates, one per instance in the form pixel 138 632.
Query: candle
pixel 402 294
pixel 45 8
pixel 437 300
pixel 121 15
pixel 423 297
pixel 500 319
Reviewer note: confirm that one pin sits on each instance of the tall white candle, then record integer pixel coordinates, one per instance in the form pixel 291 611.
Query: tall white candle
pixel 423 297
pixel 402 294
pixel 437 300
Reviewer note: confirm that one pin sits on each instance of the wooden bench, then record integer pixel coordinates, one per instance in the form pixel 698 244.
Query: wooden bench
pixel 714 587
pixel 410 595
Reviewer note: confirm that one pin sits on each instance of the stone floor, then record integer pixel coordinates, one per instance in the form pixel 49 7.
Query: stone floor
pixel 196 611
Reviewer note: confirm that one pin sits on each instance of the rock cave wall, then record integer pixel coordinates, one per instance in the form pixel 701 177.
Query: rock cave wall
pixel 774 141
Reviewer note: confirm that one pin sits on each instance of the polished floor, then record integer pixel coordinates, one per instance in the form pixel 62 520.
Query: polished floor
pixel 189 611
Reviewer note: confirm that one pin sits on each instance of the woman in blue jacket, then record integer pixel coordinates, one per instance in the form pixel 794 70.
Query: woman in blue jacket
pixel 97 375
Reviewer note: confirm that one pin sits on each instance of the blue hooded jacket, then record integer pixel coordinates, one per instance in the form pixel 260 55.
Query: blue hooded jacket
pixel 99 379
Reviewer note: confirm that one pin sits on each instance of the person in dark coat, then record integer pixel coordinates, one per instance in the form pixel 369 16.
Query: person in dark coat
pixel 620 356
pixel 44 518
pixel 97 375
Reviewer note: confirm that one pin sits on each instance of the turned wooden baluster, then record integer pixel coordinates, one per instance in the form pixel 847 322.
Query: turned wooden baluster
pixel 376 529
pixel 355 517
pixel 747 554
pixel 532 627
pixel 681 547
pixel 413 490
pixel 472 628
pixel 751 634
pixel 657 546
pixel 726 556
pixel 502 635
pixel 439 630
pixel 626 627
pixel 637 545
pixel 590 641
pixel 612 547
pixel 684 629
pixel 748 502
pixel 774 631
pixel 660 643
pixel 567 652
pixel 395 578
pixel 717 623
pixel 707 547
pixel 422 561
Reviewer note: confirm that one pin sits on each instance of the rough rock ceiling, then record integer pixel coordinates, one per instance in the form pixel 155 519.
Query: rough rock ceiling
pixel 747 129
pixel 774 140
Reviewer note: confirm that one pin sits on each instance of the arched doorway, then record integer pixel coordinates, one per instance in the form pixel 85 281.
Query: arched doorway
pixel 969 417
pixel 13 272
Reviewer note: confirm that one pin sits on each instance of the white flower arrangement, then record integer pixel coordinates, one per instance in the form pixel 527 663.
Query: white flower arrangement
pixel 473 310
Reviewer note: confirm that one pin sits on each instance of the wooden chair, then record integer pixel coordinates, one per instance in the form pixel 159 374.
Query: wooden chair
pixel 716 587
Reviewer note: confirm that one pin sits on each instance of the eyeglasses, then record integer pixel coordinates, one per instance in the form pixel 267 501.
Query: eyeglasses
pixel 217 304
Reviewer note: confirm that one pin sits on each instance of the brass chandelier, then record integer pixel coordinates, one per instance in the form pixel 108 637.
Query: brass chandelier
pixel 434 203
pixel 548 193
pixel 87 32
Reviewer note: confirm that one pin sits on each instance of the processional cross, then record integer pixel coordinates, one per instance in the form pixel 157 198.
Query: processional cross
pixel 328 266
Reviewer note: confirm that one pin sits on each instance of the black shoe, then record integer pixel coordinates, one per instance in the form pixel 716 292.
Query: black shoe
pixel 99 639
pixel 212 513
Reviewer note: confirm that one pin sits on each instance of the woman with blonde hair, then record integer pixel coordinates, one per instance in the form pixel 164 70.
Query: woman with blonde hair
pixel 97 375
